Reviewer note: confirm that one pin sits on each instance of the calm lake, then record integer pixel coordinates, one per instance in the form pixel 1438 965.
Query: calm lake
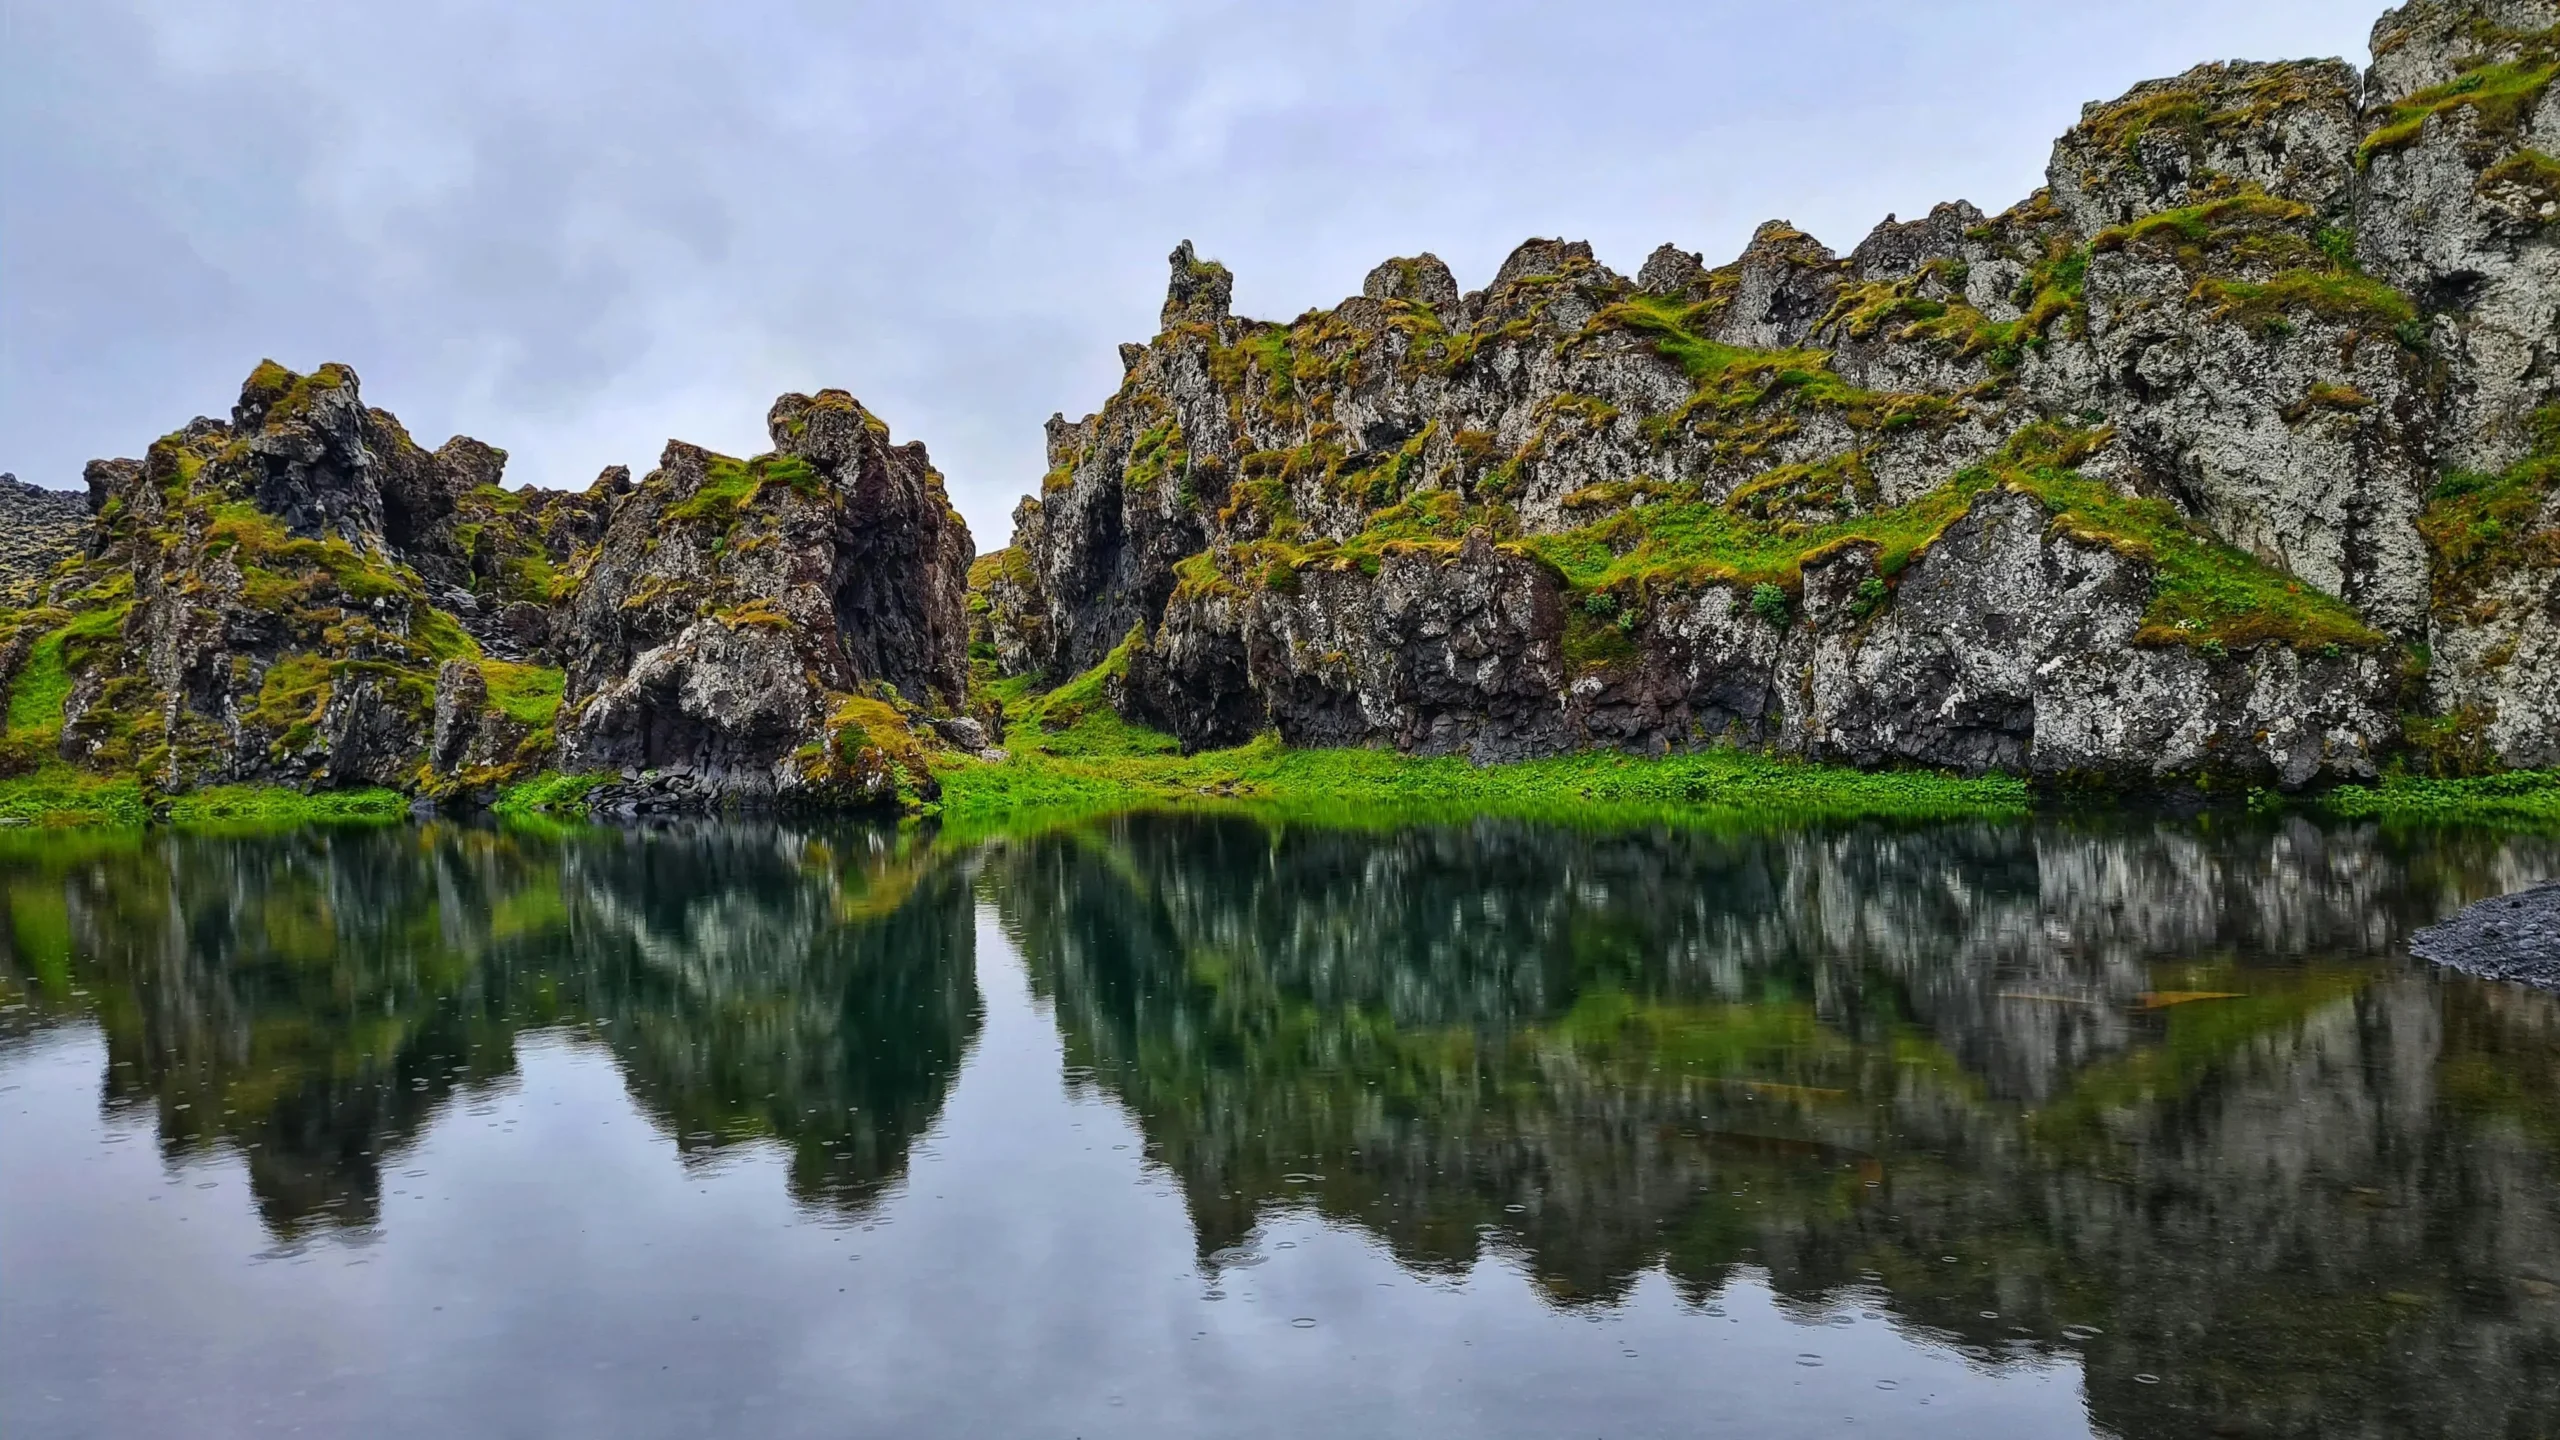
pixel 1186 1126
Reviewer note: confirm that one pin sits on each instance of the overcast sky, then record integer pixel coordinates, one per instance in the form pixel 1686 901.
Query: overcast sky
pixel 574 230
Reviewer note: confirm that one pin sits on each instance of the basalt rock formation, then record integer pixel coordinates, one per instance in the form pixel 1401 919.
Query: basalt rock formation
pixel 305 596
pixel 39 529
pixel 2233 452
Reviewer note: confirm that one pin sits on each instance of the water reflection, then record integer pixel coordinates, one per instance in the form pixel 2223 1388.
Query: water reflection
pixel 314 1000
pixel 2163 1096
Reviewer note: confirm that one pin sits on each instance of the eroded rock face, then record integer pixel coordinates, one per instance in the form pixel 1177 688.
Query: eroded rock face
pixel 305 596
pixel 2011 647
pixel 737 616
pixel 2301 322
pixel 39 529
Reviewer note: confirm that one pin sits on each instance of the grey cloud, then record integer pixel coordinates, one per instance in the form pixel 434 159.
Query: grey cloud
pixel 574 230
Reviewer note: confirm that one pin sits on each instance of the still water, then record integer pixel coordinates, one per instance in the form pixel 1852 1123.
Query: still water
pixel 1200 1127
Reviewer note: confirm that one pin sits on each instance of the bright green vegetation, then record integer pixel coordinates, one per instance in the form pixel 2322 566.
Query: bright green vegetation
pixel 2480 526
pixel 2530 796
pixel 1717 786
pixel 263 806
pixel 37 695
pixel 2206 592
pixel 2501 95
pixel 2340 295
pixel 2306 272
pixel 2052 290
pixel 57 796
pixel 551 793
pixel 1072 755
pixel 528 694
pixel 730 487
pixel 1732 383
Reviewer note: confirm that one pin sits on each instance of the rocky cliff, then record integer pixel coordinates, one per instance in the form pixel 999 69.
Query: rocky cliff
pixel 303 595
pixel 39 529
pixel 2232 452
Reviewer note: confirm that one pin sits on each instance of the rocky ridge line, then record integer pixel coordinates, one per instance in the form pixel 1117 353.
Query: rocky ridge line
pixel 2234 452
pixel 304 596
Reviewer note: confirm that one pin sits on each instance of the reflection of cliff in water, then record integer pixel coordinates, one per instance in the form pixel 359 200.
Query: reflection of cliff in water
pixel 1974 1067
pixel 313 999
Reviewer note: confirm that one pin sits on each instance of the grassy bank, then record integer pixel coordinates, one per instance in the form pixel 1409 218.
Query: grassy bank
pixel 59 797
pixel 1071 755
pixel 1073 758
pixel 2530 797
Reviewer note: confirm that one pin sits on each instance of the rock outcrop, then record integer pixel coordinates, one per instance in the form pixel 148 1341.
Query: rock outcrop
pixel 305 596
pixel 736 613
pixel 2232 452
pixel 39 529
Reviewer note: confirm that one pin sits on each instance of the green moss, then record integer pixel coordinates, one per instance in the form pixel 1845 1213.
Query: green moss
pixel 1077 720
pixel 730 487
pixel 2536 174
pixel 2501 95
pixel 2343 296
pixel 549 794
pixel 292 696
pixel 39 691
pixel 1157 451
pixel 527 694
pixel 2205 592
pixel 2479 526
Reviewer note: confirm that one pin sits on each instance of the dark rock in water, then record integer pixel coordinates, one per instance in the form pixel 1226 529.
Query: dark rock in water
pixel 2514 937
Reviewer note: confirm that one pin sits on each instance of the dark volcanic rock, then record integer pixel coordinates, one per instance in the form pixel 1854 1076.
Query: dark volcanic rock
pixel 304 595
pixel 2298 323
pixel 2514 937
pixel 737 613
pixel 39 529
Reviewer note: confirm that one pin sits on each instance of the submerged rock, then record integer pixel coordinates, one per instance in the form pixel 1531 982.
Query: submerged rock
pixel 2514 937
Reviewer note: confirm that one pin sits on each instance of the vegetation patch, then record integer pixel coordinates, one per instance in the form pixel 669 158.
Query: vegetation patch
pixel 526 694
pixel 2530 175
pixel 39 691
pixel 1732 381
pixel 2500 94
pixel 275 807
pixel 57 796
pixel 2531 796
pixel 1374 786
pixel 2344 296
pixel 553 794
pixel 730 487
pixel 2480 526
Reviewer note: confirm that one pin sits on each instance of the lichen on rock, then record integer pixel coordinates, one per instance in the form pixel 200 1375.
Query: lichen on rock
pixel 2289 306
